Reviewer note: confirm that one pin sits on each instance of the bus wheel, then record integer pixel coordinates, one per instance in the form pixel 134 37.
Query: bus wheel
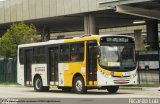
pixel 112 89
pixel 38 85
pixel 78 85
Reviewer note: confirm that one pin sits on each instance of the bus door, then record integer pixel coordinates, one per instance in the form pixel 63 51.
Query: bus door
pixel 27 67
pixel 53 65
pixel 91 62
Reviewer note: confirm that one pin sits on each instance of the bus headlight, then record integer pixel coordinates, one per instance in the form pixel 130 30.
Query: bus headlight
pixel 109 76
pixel 132 76
pixel 105 75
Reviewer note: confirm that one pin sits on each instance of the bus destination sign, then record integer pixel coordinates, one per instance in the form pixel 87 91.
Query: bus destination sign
pixel 116 40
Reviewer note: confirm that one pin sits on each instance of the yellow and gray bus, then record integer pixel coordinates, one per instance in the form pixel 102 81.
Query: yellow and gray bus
pixel 78 64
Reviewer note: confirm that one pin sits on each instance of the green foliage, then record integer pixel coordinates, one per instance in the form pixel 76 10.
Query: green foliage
pixel 17 34
pixel 8 83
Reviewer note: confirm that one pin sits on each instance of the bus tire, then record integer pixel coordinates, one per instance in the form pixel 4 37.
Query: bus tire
pixel 112 89
pixel 38 85
pixel 79 86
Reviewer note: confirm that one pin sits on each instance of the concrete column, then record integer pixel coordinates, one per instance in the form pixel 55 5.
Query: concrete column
pixel 152 34
pixel 138 40
pixel 90 24
pixel 45 34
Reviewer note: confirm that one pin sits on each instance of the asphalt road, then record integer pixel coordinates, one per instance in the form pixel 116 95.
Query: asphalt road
pixel 26 95
pixel 28 92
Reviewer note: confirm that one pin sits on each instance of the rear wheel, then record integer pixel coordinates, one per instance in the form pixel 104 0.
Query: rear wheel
pixel 112 89
pixel 38 85
pixel 78 85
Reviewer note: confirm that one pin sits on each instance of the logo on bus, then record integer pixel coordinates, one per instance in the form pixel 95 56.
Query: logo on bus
pixel 40 69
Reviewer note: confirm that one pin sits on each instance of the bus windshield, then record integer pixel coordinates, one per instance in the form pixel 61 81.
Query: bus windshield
pixel 117 56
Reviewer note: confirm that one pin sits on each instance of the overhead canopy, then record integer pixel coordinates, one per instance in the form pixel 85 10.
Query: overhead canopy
pixel 144 8
pixel 104 19
pixel 121 13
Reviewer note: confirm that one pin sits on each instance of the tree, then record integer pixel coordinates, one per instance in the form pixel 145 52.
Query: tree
pixel 17 34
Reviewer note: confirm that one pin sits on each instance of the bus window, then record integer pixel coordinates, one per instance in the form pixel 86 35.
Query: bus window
pixel 64 52
pixel 39 55
pixel 21 56
pixel 77 51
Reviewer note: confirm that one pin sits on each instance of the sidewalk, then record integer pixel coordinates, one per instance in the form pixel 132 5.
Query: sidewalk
pixel 141 88
pixel 130 88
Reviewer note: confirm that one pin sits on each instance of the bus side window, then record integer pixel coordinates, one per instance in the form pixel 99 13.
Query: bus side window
pixel 39 55
pixel 64 52
pixel 72 52
pixel 77 51
pixel 21 56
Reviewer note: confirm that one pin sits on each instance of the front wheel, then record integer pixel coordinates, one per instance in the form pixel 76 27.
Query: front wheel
pixel 78 85
pixel 112 89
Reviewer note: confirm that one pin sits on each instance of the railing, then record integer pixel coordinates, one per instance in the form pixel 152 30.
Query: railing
pixel 8 70
pixel 148 67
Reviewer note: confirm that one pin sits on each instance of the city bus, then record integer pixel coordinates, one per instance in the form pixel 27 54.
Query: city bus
pixel 78 64
pixel 148 60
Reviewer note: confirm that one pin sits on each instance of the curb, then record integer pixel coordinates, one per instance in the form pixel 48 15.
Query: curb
pixel 151 88
pixel 142 88
pixel 132 88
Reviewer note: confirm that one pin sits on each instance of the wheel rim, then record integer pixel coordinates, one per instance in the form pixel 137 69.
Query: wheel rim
pixel 38 84
pixel 79 85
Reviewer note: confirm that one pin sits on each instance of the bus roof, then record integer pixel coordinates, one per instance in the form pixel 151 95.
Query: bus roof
pixel 74 39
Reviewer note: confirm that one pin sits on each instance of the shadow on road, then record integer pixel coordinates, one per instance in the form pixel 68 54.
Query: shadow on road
pixel 89 92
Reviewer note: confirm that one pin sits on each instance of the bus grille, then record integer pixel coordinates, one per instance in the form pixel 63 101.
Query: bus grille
pixel 121 81
pixel 121 76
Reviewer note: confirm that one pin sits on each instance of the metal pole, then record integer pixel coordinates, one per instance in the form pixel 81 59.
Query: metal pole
pixel 138 67
pixel 159 64
pixel 5 68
